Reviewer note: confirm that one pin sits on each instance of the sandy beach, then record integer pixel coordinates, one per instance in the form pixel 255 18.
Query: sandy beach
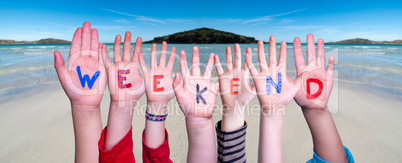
pixel 37 126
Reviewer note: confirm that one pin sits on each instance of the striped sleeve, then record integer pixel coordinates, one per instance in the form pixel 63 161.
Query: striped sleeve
pixel 231 145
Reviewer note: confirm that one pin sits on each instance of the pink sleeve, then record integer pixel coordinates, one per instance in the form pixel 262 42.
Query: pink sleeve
pixel 121 152
pixel 156 155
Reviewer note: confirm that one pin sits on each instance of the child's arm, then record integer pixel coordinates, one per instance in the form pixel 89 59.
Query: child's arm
pixel 159 92
pixel 274 91
pixel 85 96
pixel 236 92
pixel 126 87
pixel 327 142
pixel 197 97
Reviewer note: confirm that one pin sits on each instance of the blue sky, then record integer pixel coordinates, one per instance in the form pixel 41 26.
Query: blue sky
pixel 332 21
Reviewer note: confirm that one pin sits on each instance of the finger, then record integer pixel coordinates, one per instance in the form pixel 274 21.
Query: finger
pixel 248 50
pixel 127 47
pixel 331 65
pixel 244 65
pixel 162 60
pixel 60 66
pixel 210 66
pixel 116 49
pixel 320 53
pixel 137 49
pixel 298 54
pixel 196 62
pixel 310 48
pixel 229 60
pixel 75 48
pixel 272 52
pixel 86 39
pixel 261 56
pixel 105 56
pixel 172 58
pixel 183 65
pixel 250 65
pixel 153 56
pixel 94 44
pixel 237 61
pixel 143 65
pixel 282 56
pixel 218 66
pixel 101 54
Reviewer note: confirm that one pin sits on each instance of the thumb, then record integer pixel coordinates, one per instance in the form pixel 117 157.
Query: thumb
pixel 297 83
pixel 178 85
pixel 216 87
pixel 60 66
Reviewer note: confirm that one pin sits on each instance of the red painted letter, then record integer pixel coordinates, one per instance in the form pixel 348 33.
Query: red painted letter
pixel 156 82
pixel 318 93
pixel 122 78
pixel 234 85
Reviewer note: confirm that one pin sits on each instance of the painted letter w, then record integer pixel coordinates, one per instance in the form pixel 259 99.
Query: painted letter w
pixel 87 78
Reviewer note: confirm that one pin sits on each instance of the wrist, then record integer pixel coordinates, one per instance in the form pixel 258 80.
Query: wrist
pixel 316 113
pixel 122 106
pixel 272 107
pixel 232 118
pixel 198 122
pixel 85 108
pixel 157 108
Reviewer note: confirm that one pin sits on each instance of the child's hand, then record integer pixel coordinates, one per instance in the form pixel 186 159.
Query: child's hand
pixel 84 79
pixel 313 99
pixel 159 79
pixel 195 94
pixel 274 88
pixel 314 75
pixel 125 81
pixel 235 89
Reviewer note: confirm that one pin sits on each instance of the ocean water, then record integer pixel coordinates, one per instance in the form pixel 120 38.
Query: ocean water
pixel 377 65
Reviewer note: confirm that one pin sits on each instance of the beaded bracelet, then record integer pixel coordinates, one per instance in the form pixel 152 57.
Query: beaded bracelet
pixel 155 118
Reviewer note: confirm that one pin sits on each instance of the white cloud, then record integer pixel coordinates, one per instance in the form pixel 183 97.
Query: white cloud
pixel 269 18
pixel 301 27
pixel 138 17
pixel 284 21
pixel 124 21
pixel 106 27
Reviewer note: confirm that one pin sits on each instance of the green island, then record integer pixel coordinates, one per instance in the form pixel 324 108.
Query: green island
pixel 365 41
pixel 203 36
pixel 41 41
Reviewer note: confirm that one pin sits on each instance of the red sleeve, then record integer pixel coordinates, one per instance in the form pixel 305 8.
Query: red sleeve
pixel 156 155
pixel 121 152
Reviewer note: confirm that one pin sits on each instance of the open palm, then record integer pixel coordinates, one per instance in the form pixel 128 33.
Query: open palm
pixel 234 84
pixel 159 79
pixel 271 97
pixel 84 62
pixel 195 94
pixel 125 80
pixel 315 70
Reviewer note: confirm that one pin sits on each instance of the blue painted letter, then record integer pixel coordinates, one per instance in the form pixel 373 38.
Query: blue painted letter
pixel 270 82
pixel 86 78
